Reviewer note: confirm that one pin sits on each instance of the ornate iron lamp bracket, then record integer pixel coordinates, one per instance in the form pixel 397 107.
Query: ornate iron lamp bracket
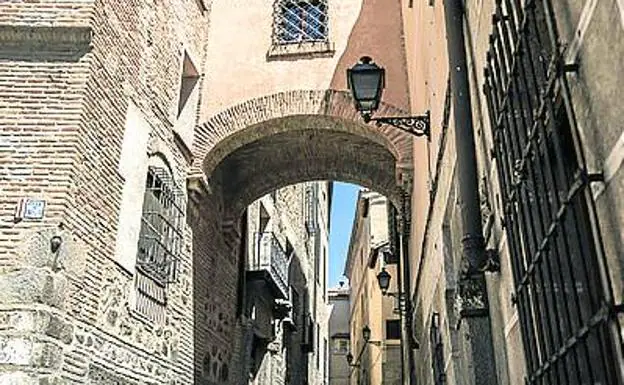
pixel 416 125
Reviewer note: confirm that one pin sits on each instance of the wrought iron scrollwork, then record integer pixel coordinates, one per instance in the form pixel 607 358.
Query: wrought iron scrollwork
pixel 415 125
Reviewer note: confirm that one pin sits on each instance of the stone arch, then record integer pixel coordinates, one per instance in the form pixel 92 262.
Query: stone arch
pixel 289 157
pixel 261 145
pixel 253 119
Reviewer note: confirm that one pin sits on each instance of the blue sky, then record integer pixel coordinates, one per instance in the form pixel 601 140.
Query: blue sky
pixel 342 212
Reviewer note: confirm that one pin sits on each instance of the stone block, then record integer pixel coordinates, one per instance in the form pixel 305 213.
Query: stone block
pixel 30 286
pixel 35 251
pixel 29 352
pixel 23 378
pixel 41 322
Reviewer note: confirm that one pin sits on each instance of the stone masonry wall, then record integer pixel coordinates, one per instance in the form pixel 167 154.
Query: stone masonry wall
pixel 68 72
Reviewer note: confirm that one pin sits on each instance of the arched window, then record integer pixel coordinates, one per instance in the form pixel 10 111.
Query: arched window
pixel 160 240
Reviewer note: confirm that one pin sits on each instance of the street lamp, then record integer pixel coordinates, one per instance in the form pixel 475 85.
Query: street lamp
pixel 366 333
pixel 383 278
pixel 366 81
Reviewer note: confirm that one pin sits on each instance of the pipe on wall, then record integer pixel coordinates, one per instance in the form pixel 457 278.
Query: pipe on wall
pixel 404 269
pixel 475 319
pixel 473 243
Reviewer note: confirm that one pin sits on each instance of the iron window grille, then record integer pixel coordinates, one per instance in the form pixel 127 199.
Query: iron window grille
pixel 340 345
pixel 393 235
pixel 562 289
pixel 295 312
pixel 299 21
pixel 437 350
pixel 160 237
pixel 311 208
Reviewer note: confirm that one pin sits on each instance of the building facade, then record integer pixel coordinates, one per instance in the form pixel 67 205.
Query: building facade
pixel 285 301
pixel 339 337
pixel 135 135
pixel 519 100
pixel 378 360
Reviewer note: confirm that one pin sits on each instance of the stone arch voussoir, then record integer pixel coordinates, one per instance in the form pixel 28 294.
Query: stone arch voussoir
pixel 337 105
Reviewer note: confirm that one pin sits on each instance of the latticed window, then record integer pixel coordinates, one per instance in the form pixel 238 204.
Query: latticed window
pixel 300 21
pixel 159 241
pixel 562 289
pixel 341 346
pixel 311 208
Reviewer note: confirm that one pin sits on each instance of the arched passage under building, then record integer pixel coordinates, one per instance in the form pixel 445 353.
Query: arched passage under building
pixel 250 150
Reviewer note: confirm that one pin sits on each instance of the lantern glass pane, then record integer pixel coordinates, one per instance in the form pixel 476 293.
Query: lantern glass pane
pixel 383 278
pixel 384 281
pixel 365 84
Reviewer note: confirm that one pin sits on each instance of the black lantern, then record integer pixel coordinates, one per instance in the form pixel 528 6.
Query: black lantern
pixel 366 333
pixel 366 82
pixel 55 243
pixel 383 278
pixel 349 359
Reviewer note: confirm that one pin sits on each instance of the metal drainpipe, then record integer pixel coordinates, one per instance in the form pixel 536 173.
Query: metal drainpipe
pixel 407 356
pixel 475 318
pixel 473 243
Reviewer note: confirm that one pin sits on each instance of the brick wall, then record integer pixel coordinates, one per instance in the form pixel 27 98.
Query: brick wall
pixel 49 13
pixel 68 71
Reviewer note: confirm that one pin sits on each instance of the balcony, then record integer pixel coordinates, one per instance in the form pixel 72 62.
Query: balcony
pixel 270 263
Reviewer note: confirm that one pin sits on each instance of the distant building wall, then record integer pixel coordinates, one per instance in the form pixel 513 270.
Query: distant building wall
pixel 339 337
pixel 297 218
pixel 368 255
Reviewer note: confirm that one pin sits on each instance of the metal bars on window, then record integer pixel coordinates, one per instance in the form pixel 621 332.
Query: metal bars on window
pixel 150 298
pixel 561 286
pixel 297 21
pixel 160 238
pixel 311 208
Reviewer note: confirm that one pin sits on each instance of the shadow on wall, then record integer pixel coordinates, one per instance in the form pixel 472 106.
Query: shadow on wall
pixel 214 298
pixel 378 33
pixel 297 357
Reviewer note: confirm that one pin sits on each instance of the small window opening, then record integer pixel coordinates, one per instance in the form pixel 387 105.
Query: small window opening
pixel 393 329
pixel 189 80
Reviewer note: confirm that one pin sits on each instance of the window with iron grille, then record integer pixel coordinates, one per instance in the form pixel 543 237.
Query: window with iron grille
pixel 311 208
pixel 159 243
pixel 562 291
pixel 300 21
pixel 437 350
pixel 340 345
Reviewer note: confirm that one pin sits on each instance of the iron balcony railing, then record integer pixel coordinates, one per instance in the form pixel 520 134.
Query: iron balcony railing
pixel 271 259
